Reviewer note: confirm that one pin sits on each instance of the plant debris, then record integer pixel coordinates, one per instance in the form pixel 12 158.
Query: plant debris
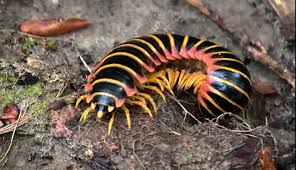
pixel 266 159
pixel 11 118
pixel 59 119
pixel 55 26
pixel 10 113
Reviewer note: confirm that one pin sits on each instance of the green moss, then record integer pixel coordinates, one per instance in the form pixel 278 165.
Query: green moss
pixel 41 106
pixel 35 97
pixel 30 41
pixel 51 45
pixel 5 77
pixel 33 90
pixel 5 97
pixel 11 92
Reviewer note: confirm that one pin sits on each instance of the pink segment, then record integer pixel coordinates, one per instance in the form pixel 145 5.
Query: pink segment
pixel 184 53
pixel 88 87
pixel 175 54
pixel 90 77
pixel 168 54
pixel 161 58
pixel 200 55
pixel 130 92
pixel 119 102
pixel 148 68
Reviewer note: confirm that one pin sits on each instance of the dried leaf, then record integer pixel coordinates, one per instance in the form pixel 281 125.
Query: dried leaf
pixel 264 88
pixel 53 26
pixel 59 120
pixel 10 111
pixel 266 160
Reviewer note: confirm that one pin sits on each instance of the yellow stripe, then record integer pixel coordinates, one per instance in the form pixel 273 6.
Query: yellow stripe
pixel 146 43
pixel 226 59
pixel 186 38
pixel 236 71
pixel 106 94
pixel 210 47
pixel 123 54
pixel 229 59
pixel 217 92
pixel 108 80
pixel 131 71
pixel 214 103
pixel 198 43
pixel 172 40
pixel 158 41
pixel 232 85
pixel 138 48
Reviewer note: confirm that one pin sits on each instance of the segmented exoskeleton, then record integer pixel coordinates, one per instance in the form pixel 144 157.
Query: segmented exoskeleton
pixel 142 64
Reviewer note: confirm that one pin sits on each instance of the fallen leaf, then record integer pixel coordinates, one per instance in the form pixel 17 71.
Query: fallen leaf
pixel 264 88
pixel 10 121
pixel 10 111
pixel 60 119
pixel 266 160
pixel 53 26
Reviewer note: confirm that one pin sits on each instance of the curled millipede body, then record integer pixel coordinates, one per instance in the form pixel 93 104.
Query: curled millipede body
pixel 150 63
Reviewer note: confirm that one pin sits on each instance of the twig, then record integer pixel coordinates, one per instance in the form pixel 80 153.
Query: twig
pixel 134 152
pixel 10 127
pixel 84 63
pixel 234 115
pixel 61 91
pixel 171 131
pixel 185 110
pixel 259 53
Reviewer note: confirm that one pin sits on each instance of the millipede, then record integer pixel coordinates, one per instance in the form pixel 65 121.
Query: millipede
pixel 152 63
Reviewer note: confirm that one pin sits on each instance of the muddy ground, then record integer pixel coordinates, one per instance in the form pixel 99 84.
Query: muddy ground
pixel 36 72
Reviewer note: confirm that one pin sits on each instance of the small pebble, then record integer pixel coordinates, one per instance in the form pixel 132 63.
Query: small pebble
pixel 88 154
pixel 57 104
pixel 1 124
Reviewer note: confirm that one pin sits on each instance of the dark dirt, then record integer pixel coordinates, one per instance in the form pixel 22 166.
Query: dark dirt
pixel 35 72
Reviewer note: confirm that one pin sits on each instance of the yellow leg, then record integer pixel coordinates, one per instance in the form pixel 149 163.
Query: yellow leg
pixel 127 115
pixel 150 99
pixel 180 79
pixel 170 74
pixel 86 112
pixel 140 98
pixel 198 85
pixel 157 81
pixel 83 97
pixel 172 77
pixel 176 76
pixel 139 103
pixel 167 84
pixel 155 89
pixel 111 121
pixel 192 79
